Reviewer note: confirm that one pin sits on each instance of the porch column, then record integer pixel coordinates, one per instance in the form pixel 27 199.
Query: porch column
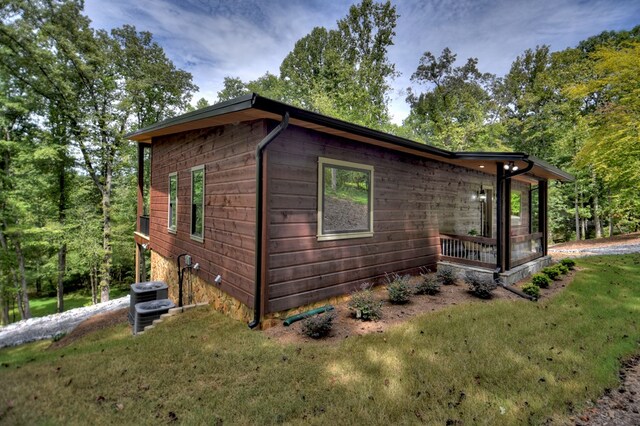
pixel 500 261
pixel 542 215
pixel 140 185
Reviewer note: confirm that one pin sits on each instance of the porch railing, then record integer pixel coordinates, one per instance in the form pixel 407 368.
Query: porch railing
pixel 144 225
pixel 467 249
pixel 525 248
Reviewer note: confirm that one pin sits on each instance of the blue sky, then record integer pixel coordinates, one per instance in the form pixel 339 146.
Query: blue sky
pixel 245 38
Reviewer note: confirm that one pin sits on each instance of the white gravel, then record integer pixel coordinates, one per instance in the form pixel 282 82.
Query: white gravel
pixel 597 251
pixel 47 327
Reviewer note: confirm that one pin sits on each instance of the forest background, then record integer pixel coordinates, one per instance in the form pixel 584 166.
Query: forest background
pixel 70 93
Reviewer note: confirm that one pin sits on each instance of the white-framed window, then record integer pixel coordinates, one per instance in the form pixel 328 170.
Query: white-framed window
pixel 345 200
pixel 172 222
pixel 197 203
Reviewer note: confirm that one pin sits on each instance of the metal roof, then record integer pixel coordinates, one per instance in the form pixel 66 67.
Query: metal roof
pixel 253 106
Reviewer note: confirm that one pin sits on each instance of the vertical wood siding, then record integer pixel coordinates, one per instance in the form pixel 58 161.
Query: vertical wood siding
pixel 414 200
pixel 228 154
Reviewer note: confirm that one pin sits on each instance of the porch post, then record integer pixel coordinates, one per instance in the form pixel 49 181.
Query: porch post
pixel 140 184
pixel 507 223
pixel 500 264
pixel 542 215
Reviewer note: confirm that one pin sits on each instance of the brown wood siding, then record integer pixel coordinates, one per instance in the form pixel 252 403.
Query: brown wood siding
pixel 228 154
pixel 414 200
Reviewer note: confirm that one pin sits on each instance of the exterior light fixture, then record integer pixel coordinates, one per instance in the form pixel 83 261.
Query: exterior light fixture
pixel 511 167
pixel 482 166
pixel 482 195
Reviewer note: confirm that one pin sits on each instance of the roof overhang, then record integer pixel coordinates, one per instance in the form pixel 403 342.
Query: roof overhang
pixel 254 107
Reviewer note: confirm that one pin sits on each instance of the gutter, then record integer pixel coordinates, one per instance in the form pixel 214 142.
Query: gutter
pixel 259 207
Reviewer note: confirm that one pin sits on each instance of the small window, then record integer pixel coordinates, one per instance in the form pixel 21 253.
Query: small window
pixel 516 207
pixel 197 203
pixel 345 200
pixel 173 202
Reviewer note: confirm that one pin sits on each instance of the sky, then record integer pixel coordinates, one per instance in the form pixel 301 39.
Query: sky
pixel 212 39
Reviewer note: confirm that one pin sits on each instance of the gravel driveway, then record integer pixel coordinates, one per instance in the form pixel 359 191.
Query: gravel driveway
pixel 41 328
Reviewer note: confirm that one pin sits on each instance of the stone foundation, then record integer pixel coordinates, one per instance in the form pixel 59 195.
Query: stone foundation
pixel 163 269
pixel 509 277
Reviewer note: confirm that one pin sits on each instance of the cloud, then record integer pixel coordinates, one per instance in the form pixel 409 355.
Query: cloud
pixel 246 38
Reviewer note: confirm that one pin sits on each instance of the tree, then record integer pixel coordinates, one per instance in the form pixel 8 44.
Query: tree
pixel 457 111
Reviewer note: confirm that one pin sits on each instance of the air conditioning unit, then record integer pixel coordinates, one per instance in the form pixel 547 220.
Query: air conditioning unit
pixel 147 312
pixel 145 292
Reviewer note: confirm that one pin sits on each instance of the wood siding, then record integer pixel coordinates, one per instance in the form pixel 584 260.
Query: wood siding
pixel 414 200
pixel 228 154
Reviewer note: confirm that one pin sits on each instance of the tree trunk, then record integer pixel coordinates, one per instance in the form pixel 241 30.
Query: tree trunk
pixel 23 294
pixel 4 307
pixel 596 206
pixel 577 215
pixel 93 279
pixel 584 229
pixel 105 270
pixel 62 262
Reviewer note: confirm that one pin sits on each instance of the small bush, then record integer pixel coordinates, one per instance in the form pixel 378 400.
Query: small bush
pixel 364 306
pixel 531 289
pixel 318 326
pixel 481 287
pixel 58 336
pixel 552 272
pixel 541 280
pixel 562 268
pixel 428 284
pixel 569 263
pixel 446 275
pixel 399 288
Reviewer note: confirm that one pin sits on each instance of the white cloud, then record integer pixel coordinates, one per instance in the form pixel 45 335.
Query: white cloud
pixel 245 38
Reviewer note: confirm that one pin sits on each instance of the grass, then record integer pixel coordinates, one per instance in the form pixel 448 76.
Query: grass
pixel 503 362
pixel 42 306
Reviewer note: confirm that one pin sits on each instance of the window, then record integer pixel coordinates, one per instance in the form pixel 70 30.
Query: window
pixel 345 200
pixel 516 207
pixel 197 203
pixel 173 202
pixel 534 220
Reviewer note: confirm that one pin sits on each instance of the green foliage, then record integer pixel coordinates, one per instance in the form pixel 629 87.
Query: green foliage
pixel 445 275
pixel 428 284
pixel 318 326
pixel 569 263
pixel 531 289
pixel 399 288
pixel 480 286
pixel 552 272
pixel 541 280
pixel 562 268
pixel 364 305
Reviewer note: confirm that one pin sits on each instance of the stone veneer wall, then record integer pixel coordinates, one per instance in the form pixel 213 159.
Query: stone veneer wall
pixel 163 269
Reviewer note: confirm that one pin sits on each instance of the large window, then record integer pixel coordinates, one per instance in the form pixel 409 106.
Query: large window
pixel 516 207
pixel 345 200
pixel 197 203
pixel 173 202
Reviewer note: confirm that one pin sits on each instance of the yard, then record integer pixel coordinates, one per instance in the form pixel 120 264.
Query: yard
pixel 505 362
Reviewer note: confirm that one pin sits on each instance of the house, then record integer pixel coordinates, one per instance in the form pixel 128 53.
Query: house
pixel 291 208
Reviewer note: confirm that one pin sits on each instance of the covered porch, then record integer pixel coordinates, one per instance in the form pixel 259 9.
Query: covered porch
pixel 506 218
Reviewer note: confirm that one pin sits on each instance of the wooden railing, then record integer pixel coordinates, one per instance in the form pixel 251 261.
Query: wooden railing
pixel 467 249
pixel 525 248
pixel 144 225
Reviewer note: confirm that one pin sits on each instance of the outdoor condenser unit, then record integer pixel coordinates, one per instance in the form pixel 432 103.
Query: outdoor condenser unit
pixel 145 292
pixel 147 312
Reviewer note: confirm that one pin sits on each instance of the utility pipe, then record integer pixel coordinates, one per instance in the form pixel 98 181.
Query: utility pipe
pixel 259 205
pixel 290 320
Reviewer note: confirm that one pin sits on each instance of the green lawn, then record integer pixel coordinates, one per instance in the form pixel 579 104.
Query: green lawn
pixel 41 306
pixel 507 362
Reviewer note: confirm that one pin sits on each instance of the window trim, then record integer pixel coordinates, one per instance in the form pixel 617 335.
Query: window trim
pixel 322 162
pixel 171 229
pixel 191 234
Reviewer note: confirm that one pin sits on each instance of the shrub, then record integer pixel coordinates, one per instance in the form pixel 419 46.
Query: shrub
pixel 552 272
pixel 446 276
pixel 541 280
pixel 318 326
pixel 569 263
pixel 399 288
pixel 531 289
pixel 363 304
pixel 480 286
pixel 562 268
pixel 428 284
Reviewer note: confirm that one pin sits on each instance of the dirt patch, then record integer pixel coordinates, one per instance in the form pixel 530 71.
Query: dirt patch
pixel 633 238
pixel 620 407
pixel 91 325
pixel 345 326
